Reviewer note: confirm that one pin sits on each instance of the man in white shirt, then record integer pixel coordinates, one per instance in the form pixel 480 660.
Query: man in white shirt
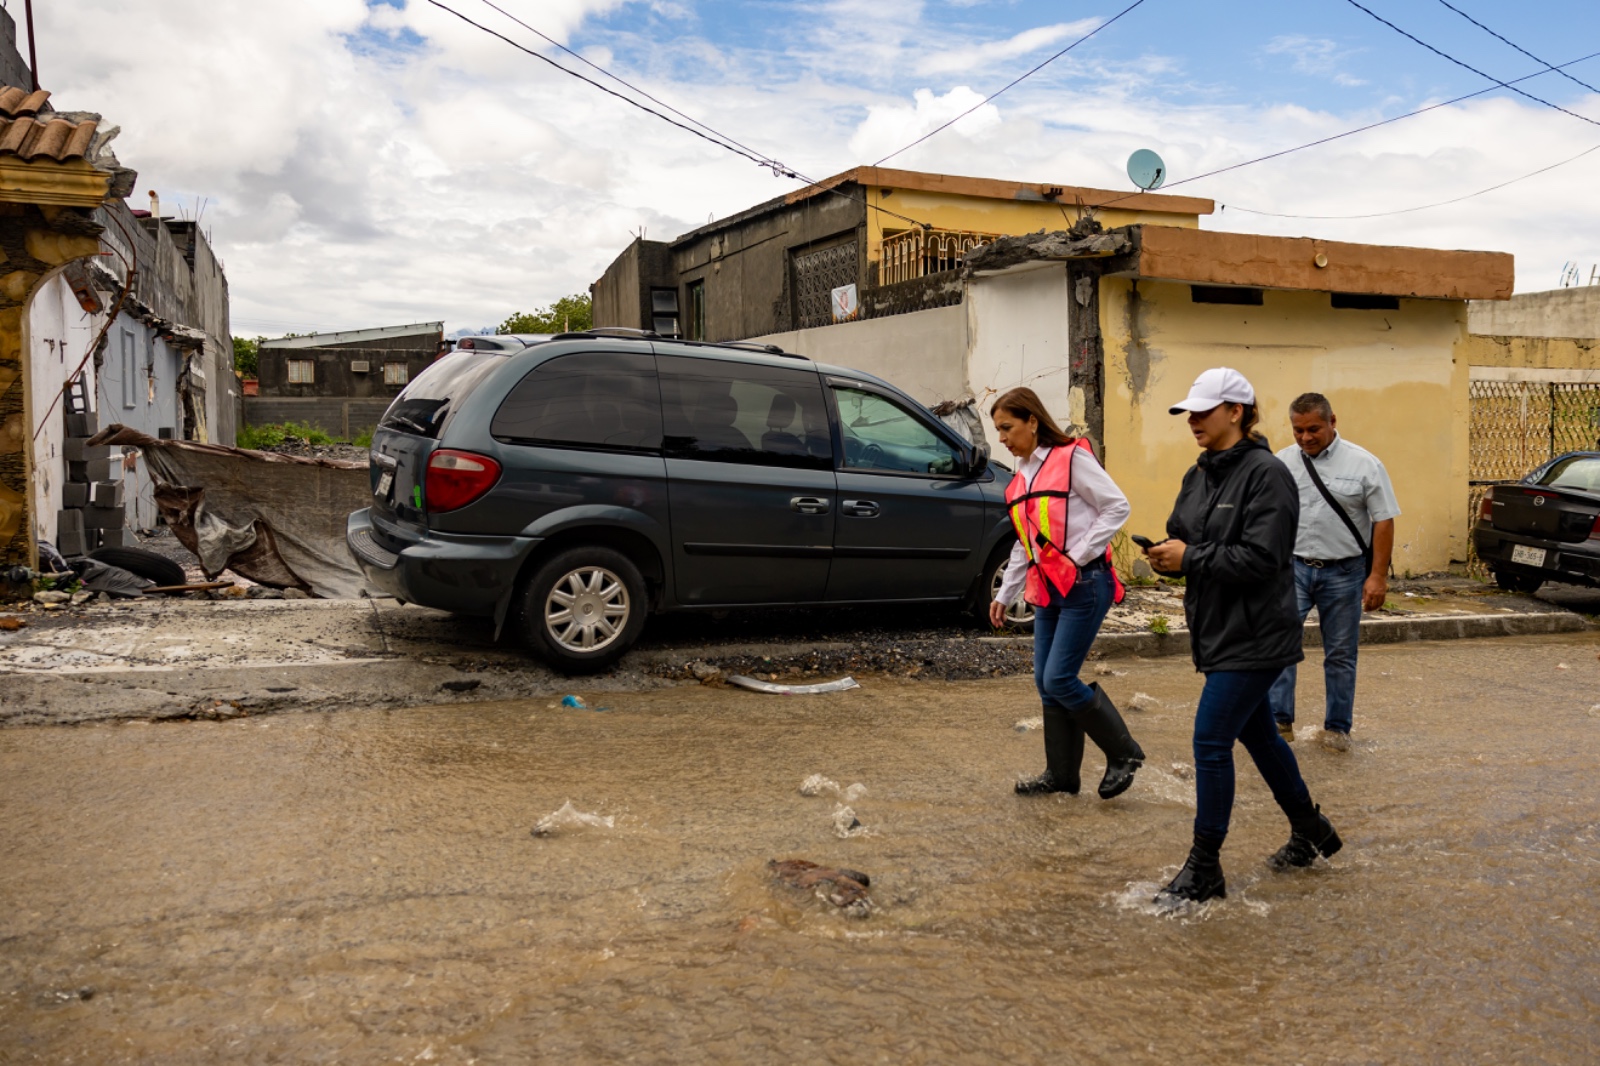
pixel 1331 553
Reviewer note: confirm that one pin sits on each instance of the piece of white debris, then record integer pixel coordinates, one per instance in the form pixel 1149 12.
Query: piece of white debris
pixel 846 824
pixel 816 785
pixel 1562 666
pixel 1102 670
pixel 1183 771
pixel 1143 702
pixel 569 817
pixel 1027 724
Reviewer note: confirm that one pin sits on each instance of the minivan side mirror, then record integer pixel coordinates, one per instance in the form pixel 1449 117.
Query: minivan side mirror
pixel 979 459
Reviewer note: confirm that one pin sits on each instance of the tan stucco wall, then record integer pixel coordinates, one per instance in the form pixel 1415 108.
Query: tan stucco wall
pixel 1397 381
pixel 1572 312
pixel 1526 358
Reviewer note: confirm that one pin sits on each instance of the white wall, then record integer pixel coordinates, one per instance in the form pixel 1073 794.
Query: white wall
pixel 58 336
pixel 924 352
pixel 1018 328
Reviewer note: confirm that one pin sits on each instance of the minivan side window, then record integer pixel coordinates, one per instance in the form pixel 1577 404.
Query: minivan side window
pixel 602 400
pixel 731 412
pixel 879 434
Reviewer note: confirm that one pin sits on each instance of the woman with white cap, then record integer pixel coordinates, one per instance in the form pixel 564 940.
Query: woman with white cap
pixel 1066 509
pixel 1231 536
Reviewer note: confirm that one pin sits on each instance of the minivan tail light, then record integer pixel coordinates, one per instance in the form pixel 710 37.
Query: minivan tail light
pixel 455 479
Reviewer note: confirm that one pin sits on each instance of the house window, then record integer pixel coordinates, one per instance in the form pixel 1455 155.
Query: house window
pixel 1224 294
pixel 697 310
pixel 816 275
pixel 395 374
pixel 130 370
pixel 664 311
pixel 302 371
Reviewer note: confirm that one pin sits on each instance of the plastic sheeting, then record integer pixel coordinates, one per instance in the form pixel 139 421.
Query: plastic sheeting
pixel 278 520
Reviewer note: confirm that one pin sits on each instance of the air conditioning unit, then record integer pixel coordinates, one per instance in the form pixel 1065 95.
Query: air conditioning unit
pixel 360 366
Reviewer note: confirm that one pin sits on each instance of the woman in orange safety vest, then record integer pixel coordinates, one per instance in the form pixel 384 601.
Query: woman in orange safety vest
pixel 1066 509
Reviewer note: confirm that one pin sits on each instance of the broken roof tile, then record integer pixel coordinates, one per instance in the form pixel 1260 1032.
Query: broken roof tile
pixel 54 137
pixel 15 102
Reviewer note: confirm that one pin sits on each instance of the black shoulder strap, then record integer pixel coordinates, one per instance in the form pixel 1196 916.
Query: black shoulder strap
pixel 1316 479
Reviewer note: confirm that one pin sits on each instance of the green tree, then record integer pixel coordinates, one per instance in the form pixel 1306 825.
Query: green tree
pixel 246 355
pixel 567 315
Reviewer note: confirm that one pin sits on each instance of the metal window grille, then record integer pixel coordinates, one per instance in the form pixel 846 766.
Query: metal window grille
pixel 1514 426
pixel 917 253
pixel 816 275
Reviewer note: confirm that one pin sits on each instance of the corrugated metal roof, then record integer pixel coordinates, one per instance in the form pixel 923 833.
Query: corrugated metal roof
pixel 24 135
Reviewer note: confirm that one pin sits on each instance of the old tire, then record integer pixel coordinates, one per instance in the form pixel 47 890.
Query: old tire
pixel 1019 616
pixel 583 609
pixel 1516 582
pixel 146 564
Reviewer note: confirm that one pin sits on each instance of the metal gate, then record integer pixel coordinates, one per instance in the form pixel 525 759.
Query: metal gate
pixel 1516 425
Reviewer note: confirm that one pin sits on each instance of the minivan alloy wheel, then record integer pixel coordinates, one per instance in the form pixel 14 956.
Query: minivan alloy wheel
pixel 587 609
pixel 1019 614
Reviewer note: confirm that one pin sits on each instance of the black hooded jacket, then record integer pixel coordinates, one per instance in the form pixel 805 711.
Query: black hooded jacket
pixel 1237 513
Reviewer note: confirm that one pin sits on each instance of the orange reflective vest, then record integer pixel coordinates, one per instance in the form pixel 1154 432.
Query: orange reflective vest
pixel 1039 514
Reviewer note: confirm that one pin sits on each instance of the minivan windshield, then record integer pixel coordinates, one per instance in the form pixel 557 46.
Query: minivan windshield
pixel 1581 472
pixel 421 409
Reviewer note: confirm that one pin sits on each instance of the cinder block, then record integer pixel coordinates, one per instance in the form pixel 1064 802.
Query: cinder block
pixel 102 517
pixel 118 538
pixel 83 425
pixel 91 540
pixel 71 544
pixel 92 470
pixel 78 450
pixel 70 520
pixel 107 493
pixel 74 494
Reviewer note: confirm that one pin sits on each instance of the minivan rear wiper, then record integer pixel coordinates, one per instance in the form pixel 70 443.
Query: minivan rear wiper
pixel 411 424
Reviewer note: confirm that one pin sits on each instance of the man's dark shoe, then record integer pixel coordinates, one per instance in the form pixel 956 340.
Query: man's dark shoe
pixel 1063 756
pixel 1309 836
pixel 1105 727
pixel 1201 877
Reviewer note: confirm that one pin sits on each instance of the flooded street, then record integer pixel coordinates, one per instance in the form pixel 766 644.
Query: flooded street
pixel 365 886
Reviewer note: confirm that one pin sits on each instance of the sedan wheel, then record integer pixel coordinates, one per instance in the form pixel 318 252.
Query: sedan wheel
pixel 1525 583
pixel 584 608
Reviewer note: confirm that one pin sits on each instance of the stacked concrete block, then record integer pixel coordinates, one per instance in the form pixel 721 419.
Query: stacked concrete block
pixel 93 511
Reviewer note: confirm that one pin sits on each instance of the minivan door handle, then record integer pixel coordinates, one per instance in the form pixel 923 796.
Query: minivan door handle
pixel 809 505
pixel 860 508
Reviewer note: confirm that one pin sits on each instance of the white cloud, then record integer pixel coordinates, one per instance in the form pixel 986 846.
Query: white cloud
pixel 889 126
pixel 971 57
pixel 1316 56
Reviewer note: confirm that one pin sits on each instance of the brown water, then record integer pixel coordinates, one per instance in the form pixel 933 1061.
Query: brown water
pixel 364 887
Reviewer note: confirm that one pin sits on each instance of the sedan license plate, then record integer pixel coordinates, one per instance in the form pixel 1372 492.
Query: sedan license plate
pixel 1527 556
pixel 384 483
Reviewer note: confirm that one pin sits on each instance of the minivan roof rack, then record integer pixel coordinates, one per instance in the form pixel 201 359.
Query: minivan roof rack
pixel 646 334
pixel 610 331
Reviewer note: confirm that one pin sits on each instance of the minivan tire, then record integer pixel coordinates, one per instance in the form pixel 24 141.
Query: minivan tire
pixel 608 594
pixel 1019 616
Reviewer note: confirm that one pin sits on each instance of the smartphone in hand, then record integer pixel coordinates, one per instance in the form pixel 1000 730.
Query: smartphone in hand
pixel 1144 542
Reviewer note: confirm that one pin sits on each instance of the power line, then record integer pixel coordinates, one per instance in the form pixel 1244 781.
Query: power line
pixel 1349 133
pixel 720 140
pixel 1425 207
pixel 1468 66
pixel 1518 47
pixel 1014 82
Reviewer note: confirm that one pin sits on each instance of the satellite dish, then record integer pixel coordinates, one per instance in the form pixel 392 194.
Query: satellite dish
pixel 1147 170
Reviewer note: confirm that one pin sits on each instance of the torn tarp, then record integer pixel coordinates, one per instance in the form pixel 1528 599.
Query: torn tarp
pixel 278 520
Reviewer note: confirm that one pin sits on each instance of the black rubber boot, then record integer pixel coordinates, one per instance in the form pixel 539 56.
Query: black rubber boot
pixel 1063 756
pixel 1309 835
pixel 1104 725
pixel 1201 877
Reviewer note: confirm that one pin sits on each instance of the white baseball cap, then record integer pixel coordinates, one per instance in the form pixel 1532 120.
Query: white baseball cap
pixel 1218 385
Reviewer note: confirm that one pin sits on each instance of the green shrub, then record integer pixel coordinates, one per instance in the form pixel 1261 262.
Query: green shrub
pixel 273 435
pixel 1159 626
pixel 364 438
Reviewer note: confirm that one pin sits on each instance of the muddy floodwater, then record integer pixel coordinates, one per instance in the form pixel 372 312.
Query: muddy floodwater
pixel 366 887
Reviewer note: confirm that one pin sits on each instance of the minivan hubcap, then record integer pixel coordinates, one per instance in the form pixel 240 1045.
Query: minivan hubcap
pixel 587 609
pixel 1019 613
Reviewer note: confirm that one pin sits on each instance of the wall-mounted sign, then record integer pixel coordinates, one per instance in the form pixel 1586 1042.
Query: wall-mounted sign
pixel 845 306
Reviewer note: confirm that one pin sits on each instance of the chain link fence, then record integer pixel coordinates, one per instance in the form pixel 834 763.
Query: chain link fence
pixel 1516 425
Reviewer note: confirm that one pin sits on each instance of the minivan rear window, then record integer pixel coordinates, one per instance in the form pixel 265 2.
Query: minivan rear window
pixel 424 405
pixel 602 400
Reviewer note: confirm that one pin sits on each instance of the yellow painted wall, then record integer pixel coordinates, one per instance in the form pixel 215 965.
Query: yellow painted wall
pixel 1397 381
pixel 1531 353
pixel 984 215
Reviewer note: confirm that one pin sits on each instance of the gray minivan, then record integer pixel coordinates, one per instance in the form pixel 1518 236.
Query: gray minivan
pixel 583 482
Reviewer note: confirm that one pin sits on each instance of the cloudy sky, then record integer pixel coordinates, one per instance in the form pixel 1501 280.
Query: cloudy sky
pixel 367 163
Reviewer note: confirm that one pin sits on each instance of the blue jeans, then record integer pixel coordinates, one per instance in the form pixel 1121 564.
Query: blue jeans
pixel 1335 591
pixel 1062 636
pixel 1233 706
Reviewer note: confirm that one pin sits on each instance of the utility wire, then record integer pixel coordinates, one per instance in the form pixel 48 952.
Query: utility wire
pixel 721 141
pixel 1518 47
pixel 1014 82
pixel 1424 207
pixel 1347 133
pixel 1468 66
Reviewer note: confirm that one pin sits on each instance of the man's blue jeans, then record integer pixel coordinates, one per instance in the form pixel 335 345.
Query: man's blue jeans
pixel 1233 706
pixel 1062 636
pixel 1334 589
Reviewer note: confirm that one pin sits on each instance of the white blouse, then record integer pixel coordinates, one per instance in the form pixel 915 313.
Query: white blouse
pixel 1096 509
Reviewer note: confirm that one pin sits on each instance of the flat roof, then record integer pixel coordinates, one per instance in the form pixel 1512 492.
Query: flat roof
pixel 349 336
pixel 997 189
